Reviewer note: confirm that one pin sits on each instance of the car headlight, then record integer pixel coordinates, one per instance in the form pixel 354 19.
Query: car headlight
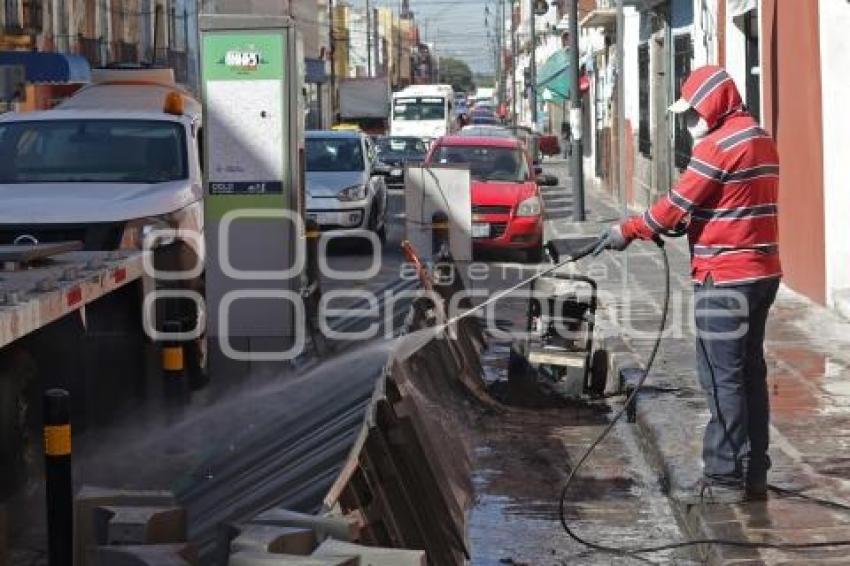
pixel 138 230
pixel 354 192
pixel 396 172
pixel 529 207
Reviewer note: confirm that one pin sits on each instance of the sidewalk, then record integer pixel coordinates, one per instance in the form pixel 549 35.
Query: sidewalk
pixel 808 350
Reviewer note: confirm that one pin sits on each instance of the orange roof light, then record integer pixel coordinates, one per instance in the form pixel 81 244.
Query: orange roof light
pixel 173 103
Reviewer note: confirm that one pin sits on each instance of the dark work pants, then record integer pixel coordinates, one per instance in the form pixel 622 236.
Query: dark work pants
pixel 730 323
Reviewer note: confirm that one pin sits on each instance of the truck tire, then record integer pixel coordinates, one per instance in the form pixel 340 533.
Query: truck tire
pixel 17 372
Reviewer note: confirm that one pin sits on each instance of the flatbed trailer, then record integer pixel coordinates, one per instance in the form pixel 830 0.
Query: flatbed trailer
pixel 42 292
pixel 68 318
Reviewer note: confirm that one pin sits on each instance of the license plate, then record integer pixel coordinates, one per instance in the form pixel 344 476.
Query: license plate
pixel 480 230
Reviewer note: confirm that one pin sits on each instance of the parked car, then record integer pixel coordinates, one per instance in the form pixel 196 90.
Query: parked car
pixel 345 182
pixel 486 130
pixel 396 152
pixel 478 119
pixel 507 211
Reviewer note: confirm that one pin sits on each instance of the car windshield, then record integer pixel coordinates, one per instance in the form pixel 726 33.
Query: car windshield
pixel 95 151
pixel 419 108
pixel 334 154
pixel 486 163
pixel 403 146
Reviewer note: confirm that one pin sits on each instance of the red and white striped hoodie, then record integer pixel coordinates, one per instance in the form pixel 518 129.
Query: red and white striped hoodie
pixel 728 193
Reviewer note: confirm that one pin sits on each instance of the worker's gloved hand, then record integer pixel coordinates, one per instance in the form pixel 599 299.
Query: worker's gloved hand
pixel 611 239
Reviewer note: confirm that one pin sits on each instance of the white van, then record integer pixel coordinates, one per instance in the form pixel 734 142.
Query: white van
pixel 422 111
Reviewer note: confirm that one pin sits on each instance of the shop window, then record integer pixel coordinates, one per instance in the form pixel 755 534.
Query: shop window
pixel 683 53
pixel 644 140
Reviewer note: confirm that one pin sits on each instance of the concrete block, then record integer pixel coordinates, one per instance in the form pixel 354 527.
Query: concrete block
pixel 254 558
pixel 141 525
pixel 371 555
pixel 275 539
pixel 89 498
pixel 338 527
pixel 144 555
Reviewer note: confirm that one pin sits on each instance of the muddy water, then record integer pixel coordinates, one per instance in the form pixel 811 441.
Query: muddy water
pixel 521 458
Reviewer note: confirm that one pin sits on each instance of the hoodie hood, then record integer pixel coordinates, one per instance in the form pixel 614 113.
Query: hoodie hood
pixel 712 93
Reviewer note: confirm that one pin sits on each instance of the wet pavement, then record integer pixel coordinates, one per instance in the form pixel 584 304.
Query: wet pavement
pixel 143 442
pixel 808 355
pixel 522 456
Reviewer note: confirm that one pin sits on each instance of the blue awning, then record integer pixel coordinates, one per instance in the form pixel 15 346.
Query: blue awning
pixel 46 67
pixel 315 71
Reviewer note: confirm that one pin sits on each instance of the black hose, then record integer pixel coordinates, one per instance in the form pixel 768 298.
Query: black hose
pixel 618 415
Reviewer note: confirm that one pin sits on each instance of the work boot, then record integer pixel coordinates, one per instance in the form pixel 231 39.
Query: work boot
pixel 706 492
pixel 756 488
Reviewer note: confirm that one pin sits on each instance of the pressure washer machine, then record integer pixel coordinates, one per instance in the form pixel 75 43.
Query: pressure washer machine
pixel 557 350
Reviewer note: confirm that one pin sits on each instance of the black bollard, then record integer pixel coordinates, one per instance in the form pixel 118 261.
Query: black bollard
pixel 57 473
pixel 175 379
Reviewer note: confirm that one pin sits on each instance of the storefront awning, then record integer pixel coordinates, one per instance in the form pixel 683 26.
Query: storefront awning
pixel 600 18
pixel 54 68
pixel 554 76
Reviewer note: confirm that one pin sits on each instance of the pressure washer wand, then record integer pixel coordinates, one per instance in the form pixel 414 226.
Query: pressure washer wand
pixel 557 264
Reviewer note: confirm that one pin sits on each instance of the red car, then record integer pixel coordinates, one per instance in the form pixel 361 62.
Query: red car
pixel 507 211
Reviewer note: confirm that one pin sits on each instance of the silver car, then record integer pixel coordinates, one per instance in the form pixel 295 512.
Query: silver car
pixel 345 182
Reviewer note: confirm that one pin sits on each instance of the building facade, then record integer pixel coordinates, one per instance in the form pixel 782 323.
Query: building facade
pixel 789 60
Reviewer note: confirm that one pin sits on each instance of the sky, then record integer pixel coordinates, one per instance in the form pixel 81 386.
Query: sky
pixel 455 26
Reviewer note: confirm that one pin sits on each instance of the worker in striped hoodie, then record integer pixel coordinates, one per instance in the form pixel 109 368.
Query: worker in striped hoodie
pixel 727 199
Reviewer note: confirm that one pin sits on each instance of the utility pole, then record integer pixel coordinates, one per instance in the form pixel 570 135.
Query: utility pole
pixel 576 118
pixel 532 66
pixel 368 38
pixel 513 66
pixel 503 89
pixel 376 41
pixel 332 41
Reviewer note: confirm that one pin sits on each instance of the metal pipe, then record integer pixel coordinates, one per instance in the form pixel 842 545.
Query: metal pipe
pixel 59 489
pixel 576 118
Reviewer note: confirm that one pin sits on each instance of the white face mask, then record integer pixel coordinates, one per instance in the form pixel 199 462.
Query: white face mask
pixel 696 124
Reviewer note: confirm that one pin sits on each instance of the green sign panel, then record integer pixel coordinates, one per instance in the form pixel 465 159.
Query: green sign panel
pixel 243 56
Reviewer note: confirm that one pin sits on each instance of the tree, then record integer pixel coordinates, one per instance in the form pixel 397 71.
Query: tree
pixel 456 73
